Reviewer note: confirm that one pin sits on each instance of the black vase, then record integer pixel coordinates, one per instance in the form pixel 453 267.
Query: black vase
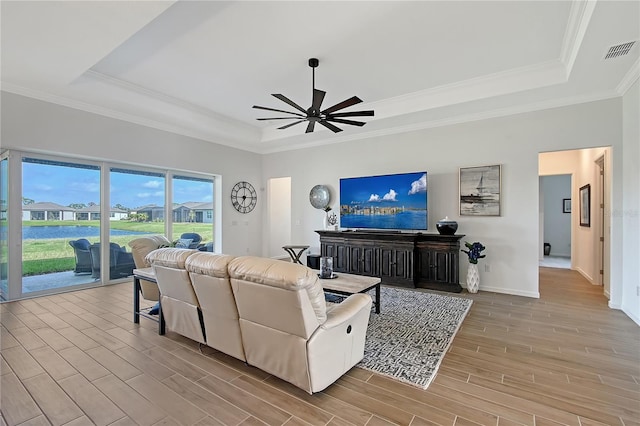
pixel 446 226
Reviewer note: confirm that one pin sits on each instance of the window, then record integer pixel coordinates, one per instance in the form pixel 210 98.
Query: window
pixel 65 211
pixel 193 207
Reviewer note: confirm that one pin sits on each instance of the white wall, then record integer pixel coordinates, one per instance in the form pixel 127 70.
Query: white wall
pixel 512 240
pixel 630 277
pixel 557 224
pixel 33 125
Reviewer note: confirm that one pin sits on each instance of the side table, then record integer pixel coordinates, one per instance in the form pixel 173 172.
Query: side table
pixel 295 252
pixel 147 275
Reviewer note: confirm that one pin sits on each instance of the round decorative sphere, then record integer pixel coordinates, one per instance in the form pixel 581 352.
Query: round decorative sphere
pixel 319 197
pixel 446 226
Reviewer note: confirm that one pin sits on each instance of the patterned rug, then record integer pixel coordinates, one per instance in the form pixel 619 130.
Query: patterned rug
pixel 410 336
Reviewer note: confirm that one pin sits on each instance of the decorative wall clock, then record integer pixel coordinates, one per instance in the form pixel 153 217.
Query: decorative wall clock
pixel 243 197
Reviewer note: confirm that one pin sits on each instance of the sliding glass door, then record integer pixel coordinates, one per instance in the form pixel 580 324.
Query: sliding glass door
pixel 137 208
pixel 67 223
pixel 56 238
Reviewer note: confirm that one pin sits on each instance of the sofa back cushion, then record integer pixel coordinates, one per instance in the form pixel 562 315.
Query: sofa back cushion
pixel 141 247
pixel 180 306
pixel 210 279
pixel 280 295
pixel 173 279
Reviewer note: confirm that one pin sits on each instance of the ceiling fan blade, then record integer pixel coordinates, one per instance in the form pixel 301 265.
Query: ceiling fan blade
pixel 310 126
pixel 283 98
pixel 344 104
pixel 277 118
pixel 278 110
pixel 318 97
pixel 353 123
pixel 289 125
pixel 353 114
pixel 330 126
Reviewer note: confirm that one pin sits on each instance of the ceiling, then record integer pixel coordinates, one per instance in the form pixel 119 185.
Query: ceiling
pixel 197 67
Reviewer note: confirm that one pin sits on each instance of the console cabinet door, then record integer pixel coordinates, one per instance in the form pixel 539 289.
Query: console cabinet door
pixel 396 265
pixel 361 259
pixel 435 265
pixel 337 249
pixel 438 266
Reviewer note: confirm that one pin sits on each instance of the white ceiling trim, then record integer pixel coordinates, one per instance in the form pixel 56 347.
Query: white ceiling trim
pixel 131 118
pixel 579 18
pixel 158 96
pixel 449 121
pixel 629 78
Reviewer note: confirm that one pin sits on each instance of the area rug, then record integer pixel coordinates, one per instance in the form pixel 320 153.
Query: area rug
pixel 412 333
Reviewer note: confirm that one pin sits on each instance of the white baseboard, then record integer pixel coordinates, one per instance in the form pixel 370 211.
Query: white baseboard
pixel 632 316
pixel 511 291
pixel 587 276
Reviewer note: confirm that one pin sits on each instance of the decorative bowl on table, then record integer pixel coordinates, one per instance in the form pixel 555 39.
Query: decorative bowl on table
pixel 447 226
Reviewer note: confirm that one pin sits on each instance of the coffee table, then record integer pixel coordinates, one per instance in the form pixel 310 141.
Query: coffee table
pixel 348 284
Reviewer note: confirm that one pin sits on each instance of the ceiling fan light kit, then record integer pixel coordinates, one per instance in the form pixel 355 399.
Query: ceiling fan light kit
pixel 314 114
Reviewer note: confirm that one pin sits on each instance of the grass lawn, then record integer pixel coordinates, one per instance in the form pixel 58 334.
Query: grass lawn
pixel 41 256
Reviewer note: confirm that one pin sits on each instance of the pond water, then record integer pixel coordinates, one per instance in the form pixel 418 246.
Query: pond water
pixel 42 232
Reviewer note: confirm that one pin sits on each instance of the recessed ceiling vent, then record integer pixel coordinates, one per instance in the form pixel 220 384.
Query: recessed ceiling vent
pixel 619 50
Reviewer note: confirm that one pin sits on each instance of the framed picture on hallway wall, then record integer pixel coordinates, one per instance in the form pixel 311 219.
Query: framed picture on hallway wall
pixel 566 205
pixel 585 205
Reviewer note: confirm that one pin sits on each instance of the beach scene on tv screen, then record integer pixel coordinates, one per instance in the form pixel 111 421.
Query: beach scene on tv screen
pixel 397 201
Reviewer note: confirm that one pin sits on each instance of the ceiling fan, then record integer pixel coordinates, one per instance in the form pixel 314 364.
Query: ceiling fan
pixel 314 115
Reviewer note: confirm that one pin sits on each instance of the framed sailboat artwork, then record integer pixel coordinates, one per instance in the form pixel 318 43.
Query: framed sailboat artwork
pixel 480 190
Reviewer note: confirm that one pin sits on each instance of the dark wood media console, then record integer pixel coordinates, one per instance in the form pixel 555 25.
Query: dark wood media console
pixel 400 259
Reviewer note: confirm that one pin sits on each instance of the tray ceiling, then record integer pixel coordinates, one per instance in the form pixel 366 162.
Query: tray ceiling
pixel 197 67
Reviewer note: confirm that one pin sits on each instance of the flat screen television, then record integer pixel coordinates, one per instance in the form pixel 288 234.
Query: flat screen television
pixel 397 201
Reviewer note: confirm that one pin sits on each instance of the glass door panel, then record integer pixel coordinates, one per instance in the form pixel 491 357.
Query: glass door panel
pixel 57 237
pixel 137 208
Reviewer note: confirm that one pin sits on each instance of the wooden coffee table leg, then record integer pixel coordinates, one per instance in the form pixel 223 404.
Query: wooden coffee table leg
pixel 378 298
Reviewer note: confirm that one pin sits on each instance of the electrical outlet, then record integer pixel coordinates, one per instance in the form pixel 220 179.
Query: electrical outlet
pixel 638 290
pixel 487 267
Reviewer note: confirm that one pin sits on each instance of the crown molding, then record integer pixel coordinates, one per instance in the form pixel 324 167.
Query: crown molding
pixel 579 18
pixel 500 83
pixel 227 140
pixel 629 78
pixel 158 96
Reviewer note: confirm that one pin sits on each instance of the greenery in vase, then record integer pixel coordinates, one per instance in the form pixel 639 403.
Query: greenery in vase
pixel 474 251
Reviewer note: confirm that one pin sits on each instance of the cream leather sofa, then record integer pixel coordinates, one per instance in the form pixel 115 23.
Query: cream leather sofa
pixel 269 313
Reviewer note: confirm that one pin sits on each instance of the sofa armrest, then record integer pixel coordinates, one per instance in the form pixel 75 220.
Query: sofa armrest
pixel 338 344
pixel 346 310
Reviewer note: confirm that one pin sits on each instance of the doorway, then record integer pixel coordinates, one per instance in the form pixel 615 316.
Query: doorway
pixel 279 212
pixel 557 211
pixel 590 248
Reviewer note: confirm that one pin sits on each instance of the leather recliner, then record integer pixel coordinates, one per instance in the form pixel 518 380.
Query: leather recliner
pixel 286 328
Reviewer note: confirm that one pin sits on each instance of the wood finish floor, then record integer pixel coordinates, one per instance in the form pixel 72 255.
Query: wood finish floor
pixel 564 359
